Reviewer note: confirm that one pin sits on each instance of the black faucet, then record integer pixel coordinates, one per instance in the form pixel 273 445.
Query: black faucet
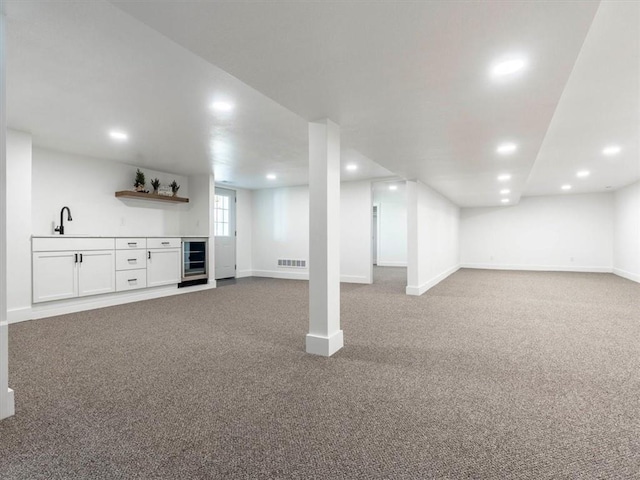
pixel 61 227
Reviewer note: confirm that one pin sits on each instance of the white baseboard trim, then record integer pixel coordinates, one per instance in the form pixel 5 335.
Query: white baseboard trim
pixel 288 275
pixel 390 264
pixel 635 277
pixel 62 307
pixel 244 273
pixel 284 274
pixel 539 268
pixel 355 279
pixel 324 346
pixel 9 409
pixel 19 314
pixel 420 289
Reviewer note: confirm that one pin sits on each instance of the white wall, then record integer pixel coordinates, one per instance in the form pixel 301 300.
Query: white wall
pixel 356 219
pixel 562 232
pixel 195 217
pixel 281 230
pixel 87 186
pixel 19 225
pixel 626 237
pixel 392 224
pixel 433 238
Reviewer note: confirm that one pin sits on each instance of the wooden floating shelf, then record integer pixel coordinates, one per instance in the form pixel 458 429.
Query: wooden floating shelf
pixel 150 196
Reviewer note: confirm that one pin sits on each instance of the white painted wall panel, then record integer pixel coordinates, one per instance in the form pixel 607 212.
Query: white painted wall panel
pixel 281 230
pixel 626 237
pixel 87 186
pixel 356 216
pixel 392 224
pixel 561 232
pixel 433 238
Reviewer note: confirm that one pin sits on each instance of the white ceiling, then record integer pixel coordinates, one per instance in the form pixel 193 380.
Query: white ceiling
pixel 408 83
pixel 600 106
pixel 76 70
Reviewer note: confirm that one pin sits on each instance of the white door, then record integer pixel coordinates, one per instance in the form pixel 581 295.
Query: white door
pixel 96 272
pixel 54 276
pixel 224 217
pixel 163 266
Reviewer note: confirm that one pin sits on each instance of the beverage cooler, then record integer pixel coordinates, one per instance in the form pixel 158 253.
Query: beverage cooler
pixel 194 261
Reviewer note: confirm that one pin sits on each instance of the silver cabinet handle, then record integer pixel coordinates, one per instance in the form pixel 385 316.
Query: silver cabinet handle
pixel 132 280
pixel 132 260
pixel 165 243
pixel 134 244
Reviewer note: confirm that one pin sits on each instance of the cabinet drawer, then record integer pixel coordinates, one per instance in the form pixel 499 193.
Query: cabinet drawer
pixel 164 243
pixel 130 259
pixel 129 243
pixel 131 279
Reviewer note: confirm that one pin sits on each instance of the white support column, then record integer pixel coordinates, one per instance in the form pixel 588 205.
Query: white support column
pixel 325 337
pixel 211 266
pixel 6 394
pixel 413 250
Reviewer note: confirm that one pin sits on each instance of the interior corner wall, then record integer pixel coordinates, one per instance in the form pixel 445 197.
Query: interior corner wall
pixel 88 185
pixel 626 236
pixel 433 238
pixel 19 146
pixel 551 233
pixel 281 231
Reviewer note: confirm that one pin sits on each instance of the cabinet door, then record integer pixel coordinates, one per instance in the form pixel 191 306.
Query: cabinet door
pixel 96 272
pixel 54 276
pixel 163 266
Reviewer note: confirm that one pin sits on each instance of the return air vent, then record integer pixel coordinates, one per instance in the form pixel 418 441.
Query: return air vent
pixel 292 263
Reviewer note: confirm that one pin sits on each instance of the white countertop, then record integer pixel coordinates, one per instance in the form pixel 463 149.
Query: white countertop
pixel 78 235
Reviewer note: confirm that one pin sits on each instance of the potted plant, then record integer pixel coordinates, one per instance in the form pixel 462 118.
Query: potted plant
pixel 174 187
pixel 155 183
pixel 139 181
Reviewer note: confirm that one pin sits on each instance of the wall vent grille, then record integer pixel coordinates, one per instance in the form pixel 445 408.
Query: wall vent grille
pixel 287 263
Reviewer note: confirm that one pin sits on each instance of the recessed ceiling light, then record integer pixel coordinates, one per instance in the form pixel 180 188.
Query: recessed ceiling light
pixel 352 167
pixel 583 173
pixel 118 135
pixel 505 200
pixel 611 150
pixel 504 177
pixel 271 176
pixel 505 191
pixel 222 106
pixel 393 187
pixel 566 187
pixel 508 67
pixel 506 148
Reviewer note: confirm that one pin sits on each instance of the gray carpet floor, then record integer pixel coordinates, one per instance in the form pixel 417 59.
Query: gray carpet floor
pixel 490 374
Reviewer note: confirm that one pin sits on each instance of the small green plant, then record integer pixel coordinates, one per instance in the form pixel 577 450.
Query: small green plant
pixel 155 183
pixel 140 180
pixel 174 187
